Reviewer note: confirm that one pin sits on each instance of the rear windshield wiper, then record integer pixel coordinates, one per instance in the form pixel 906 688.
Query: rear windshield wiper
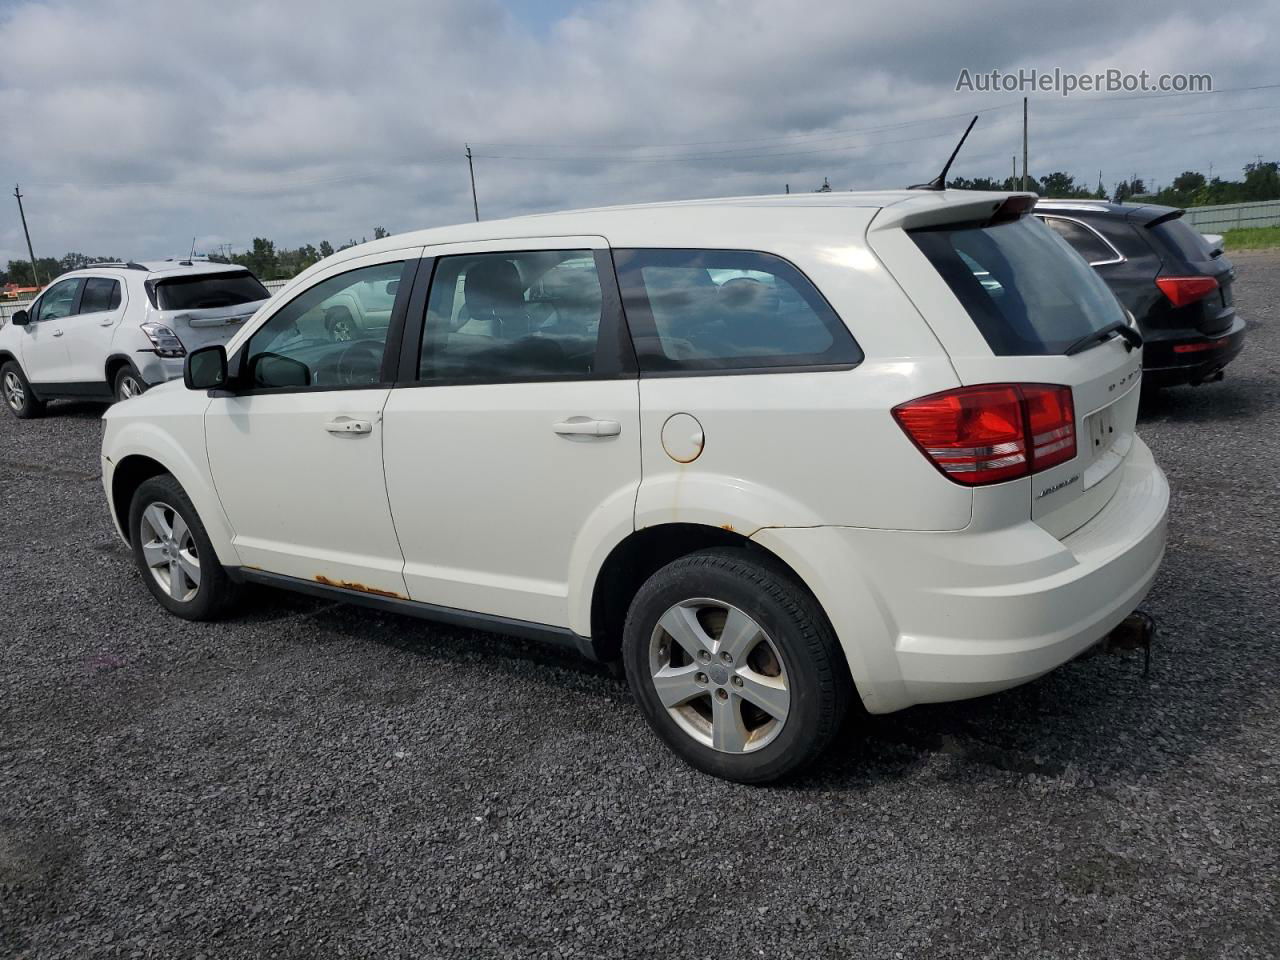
pixel 1132 338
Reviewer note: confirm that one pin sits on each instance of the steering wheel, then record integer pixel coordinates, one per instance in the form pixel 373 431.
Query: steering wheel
pixel 360 362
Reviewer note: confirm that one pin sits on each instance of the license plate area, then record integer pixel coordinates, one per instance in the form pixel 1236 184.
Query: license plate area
pixel 1101 431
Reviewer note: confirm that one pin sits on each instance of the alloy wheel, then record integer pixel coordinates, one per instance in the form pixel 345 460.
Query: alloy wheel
pixel 14 394
pixel 170 551
pixel 129 388
pixel 719 675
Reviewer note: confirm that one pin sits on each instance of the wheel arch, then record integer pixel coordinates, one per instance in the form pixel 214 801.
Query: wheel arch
pixel 641 554
pixel 113 365
pixel 129 474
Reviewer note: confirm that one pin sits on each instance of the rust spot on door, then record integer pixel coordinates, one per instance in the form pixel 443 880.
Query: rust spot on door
pixel 358 587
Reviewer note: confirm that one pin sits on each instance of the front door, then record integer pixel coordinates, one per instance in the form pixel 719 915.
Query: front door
pixel 514 447
pixel 45 358
pixel 296 452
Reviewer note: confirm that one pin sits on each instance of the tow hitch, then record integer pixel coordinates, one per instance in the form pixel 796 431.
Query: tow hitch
pixel 1134 632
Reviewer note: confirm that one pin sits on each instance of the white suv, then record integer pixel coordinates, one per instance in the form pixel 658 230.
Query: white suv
pixel 110 331
pixel 769 454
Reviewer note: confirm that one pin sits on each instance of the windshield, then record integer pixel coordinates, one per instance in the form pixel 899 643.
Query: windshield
pixel 1027 291
pixel 204 291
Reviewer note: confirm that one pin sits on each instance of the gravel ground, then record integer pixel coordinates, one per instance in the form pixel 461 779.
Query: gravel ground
pixel 316 780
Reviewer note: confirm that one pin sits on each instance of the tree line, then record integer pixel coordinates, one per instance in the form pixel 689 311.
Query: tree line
pixel 1261 181
pixel 266 262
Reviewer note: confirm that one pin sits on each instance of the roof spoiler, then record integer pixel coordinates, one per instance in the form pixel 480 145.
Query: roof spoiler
pixel 953 208
pixel 1164 218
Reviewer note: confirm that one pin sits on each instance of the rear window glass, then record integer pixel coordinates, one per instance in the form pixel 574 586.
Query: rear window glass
pixel 727 309
pixel 204 291
pixel 1182 240
pixel 1026 291
pixel 100 293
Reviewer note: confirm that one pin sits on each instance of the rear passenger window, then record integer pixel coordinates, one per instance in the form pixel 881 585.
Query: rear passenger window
pixel 100 295
pixel 1085 242
pixel 705 310
pixel 533 315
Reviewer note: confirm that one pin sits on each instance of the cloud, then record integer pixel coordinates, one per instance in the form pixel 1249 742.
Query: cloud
pixel 135 124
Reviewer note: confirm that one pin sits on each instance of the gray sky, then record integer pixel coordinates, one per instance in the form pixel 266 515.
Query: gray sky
pixel 133 126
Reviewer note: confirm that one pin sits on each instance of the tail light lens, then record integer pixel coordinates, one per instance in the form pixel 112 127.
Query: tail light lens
pixel 1184 290
pixel 163 340
pixel 994 432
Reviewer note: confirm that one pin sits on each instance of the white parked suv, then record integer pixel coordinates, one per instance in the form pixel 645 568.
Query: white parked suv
pixel 111 330
pixel 770 454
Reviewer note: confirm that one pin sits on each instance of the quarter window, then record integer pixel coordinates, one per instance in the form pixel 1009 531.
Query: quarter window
pixel 1085 242
pixel 533 315
pixel 100 294
pixel 692 310
pixel 331 335
pixel 60 300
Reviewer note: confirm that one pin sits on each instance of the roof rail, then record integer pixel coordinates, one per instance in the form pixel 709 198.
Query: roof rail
pixel 130 265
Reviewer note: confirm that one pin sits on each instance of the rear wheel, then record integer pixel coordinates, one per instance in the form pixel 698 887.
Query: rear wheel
pixel 735 666
pixel 128 384
pixel 17 393
pixel 173 552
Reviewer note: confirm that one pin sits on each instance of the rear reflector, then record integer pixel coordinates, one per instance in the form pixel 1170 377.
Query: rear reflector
pixel 1197 347
pixel 994 432
pixel 1184 290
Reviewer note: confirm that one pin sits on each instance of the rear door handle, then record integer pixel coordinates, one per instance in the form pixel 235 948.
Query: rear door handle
pixel 588 427
pixel 57 333
pixel 347 425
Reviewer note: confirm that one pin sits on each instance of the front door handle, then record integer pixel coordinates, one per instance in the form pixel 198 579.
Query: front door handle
pixel 57 333
pixel 347 425
pixel 588 427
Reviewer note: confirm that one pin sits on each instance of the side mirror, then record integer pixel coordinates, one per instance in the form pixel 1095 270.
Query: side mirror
pixel 392 287
pixel 273 370
pixel 206 368
pixel 20 319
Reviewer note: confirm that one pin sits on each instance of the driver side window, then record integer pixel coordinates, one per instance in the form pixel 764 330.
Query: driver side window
pixel 331 335
pixel 59 300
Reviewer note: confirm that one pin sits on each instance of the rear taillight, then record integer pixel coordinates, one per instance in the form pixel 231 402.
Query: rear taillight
pixel 994 432
pixel 1184 290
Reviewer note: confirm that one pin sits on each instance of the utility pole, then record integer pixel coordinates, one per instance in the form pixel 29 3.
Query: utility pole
pixel 475 204
pixel 1024 143
pixel 786 187
pixel 31 253
pixel 1014 178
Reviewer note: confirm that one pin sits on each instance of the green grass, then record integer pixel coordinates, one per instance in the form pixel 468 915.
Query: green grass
pixel 1251 238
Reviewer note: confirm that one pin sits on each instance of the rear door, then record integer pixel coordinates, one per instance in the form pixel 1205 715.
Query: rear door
pixel 89 332
pixel 512 444
pixel 1012 303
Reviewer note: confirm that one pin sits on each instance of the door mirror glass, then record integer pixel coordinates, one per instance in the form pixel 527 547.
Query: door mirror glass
pixel 206 368
pixel 274 370
pixel 20 319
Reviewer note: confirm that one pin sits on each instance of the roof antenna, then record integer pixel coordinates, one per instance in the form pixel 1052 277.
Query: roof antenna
pixel 940 181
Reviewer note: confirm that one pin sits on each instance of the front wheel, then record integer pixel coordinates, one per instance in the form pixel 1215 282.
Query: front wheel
pixel 734 665
pixel 172 549
pixel 17 393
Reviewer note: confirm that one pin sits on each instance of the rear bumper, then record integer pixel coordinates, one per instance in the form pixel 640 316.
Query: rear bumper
pixel 1190 358
pixel 928 617
pixel 156 370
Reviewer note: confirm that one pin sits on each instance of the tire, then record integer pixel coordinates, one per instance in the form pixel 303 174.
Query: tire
pixel 785 655
pixel 160 503
pixel 341 325
pixel 17 394
pixel 128 384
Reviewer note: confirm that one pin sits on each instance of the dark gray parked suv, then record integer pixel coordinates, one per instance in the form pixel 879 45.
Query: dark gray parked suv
pixel 1167 275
